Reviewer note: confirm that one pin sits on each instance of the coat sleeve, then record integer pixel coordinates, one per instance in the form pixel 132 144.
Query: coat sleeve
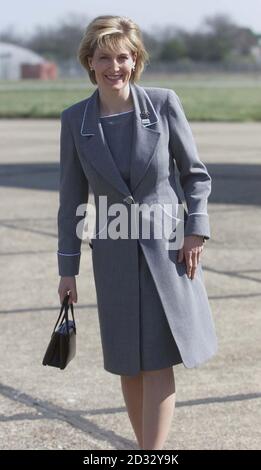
pixel 73 190
pixel 194 178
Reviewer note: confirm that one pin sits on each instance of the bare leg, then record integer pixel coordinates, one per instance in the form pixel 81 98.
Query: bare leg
pixel 158 407
pixel 150 402
pixel 132 393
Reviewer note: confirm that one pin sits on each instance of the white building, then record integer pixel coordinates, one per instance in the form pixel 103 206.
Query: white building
pixel 11 59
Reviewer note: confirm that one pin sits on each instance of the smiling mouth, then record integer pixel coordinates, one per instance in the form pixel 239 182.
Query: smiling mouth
pixel 114 79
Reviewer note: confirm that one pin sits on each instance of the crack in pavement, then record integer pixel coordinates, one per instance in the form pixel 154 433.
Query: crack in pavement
pixel 50 411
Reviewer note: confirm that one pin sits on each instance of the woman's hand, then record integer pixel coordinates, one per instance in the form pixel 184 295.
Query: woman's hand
pixel 191 250
pixel 68 284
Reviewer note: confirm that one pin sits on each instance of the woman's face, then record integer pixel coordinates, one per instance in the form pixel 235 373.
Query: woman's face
pixel 112 70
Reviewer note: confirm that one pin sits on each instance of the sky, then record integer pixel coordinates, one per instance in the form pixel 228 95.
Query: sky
pixel 24 16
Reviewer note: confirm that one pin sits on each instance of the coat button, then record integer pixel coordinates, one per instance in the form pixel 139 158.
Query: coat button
pixel 129 199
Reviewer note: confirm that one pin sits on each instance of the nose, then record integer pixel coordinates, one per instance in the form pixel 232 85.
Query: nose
pixel 115 65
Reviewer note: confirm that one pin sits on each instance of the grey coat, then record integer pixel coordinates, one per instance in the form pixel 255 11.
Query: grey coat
pixel 162 141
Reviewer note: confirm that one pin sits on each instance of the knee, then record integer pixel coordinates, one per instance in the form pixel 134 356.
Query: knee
pixel 156 372
pixel 131 377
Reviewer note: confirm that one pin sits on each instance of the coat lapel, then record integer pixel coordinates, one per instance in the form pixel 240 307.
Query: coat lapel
pixel 144 140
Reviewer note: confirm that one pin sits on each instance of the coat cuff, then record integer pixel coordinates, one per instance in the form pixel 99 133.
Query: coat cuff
pixel 197 224
pixel 68 264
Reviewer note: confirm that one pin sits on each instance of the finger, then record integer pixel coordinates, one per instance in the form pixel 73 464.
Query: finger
pixel 188 257
pixel 70 300
pixel 193 271
pixel 194 265
pixel 73 296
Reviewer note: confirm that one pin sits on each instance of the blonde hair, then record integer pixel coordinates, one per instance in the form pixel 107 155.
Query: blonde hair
pixel 110 32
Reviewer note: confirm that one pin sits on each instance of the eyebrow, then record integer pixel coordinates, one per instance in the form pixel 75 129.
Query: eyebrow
pixel 107 53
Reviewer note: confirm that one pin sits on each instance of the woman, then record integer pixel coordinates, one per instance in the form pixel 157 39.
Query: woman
pixel 125 141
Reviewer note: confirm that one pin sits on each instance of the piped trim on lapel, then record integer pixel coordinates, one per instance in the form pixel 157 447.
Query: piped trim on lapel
pixel 143 145
pixel 145 140
pixel 146 115
pixel 144 108
pixel 84 120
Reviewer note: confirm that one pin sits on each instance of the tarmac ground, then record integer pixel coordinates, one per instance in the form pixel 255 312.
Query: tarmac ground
pixel 218 404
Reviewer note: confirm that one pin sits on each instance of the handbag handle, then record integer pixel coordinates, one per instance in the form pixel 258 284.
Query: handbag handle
pixel 65 307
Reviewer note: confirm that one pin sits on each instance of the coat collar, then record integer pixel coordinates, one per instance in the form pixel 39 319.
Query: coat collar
pixel 143 146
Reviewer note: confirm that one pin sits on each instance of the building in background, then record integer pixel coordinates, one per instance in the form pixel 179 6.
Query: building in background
pixel 18 63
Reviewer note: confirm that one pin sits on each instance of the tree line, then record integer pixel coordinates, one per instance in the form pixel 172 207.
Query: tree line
pixel 216 40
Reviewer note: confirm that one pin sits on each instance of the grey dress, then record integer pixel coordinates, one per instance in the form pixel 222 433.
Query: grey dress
pixel 158 348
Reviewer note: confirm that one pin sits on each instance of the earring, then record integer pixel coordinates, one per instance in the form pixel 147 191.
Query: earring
pixel 133 67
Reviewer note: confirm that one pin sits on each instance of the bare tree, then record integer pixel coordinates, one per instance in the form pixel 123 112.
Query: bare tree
pixel 9 35
pixel 59 42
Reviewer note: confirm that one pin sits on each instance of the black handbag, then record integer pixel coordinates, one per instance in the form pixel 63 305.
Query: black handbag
pixel 62 346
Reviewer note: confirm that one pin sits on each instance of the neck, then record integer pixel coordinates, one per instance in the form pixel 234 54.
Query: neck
pixel 115 101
